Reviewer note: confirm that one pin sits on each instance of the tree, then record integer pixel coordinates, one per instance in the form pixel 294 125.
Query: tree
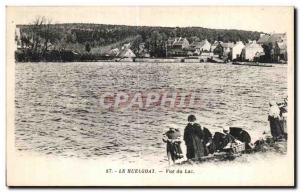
pixel 43 34
pixel 194 39
pixel 25 41
pixel 35 31
pixel 135 46
pixel 157 44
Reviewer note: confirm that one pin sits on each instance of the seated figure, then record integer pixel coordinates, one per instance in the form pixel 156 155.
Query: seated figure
pixel 172 138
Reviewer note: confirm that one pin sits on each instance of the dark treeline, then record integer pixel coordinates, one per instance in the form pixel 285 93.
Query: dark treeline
pixel 95 39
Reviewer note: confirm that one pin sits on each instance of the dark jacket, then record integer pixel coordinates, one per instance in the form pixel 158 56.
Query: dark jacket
pixel 207 138
pixel 277 130
pixel 193 137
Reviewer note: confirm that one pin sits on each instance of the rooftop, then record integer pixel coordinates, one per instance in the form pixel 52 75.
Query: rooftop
pixel 276 37
pixel 227 45
pixel 199 44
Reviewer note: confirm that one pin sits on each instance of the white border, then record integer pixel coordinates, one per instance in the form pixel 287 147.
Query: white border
pixel 3 3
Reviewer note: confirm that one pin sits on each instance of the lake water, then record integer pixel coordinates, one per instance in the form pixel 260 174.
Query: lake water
pixel 58 111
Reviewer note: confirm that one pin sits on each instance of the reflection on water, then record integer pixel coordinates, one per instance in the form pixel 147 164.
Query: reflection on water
pixel 58 111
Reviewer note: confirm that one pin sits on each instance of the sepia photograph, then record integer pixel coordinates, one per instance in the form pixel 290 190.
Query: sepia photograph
pixel 150 96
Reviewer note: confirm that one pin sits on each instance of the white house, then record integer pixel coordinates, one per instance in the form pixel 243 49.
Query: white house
pixel 226 48
pixel 236 50
pixel 177 46
pixel 251 51
pixel 126 53
pixel 198 47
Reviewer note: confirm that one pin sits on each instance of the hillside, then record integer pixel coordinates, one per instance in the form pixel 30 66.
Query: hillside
pixel 98 38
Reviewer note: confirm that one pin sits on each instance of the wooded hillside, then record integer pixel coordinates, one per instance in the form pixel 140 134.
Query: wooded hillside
pixel 98 38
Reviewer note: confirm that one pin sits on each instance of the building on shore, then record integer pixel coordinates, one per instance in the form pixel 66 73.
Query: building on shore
pixel 198 47
pixel 226 49
pixel 265 39
pixel 252 52
pixel 126 53
pixel 275 46
pixel 236 50
pixel 215 45
pixel 177 47
pixel 112 53
pixel 123 52
pixel 280 52
pixel 217 48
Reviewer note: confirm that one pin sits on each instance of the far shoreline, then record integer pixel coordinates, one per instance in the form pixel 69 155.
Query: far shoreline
pixel 159 60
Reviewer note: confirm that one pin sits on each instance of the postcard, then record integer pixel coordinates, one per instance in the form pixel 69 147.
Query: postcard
pixel 147 96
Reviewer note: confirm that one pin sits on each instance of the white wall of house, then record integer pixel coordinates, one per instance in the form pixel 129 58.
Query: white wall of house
pixel 185 43
pixel 237 50
pixel 226 50
pixel 206 46
pixel 129 53
pixel 249 52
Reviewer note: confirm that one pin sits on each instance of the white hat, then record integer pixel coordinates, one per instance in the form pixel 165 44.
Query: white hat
pixel 226 129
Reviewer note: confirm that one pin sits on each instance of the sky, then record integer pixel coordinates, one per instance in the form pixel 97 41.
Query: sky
pixel 264 19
